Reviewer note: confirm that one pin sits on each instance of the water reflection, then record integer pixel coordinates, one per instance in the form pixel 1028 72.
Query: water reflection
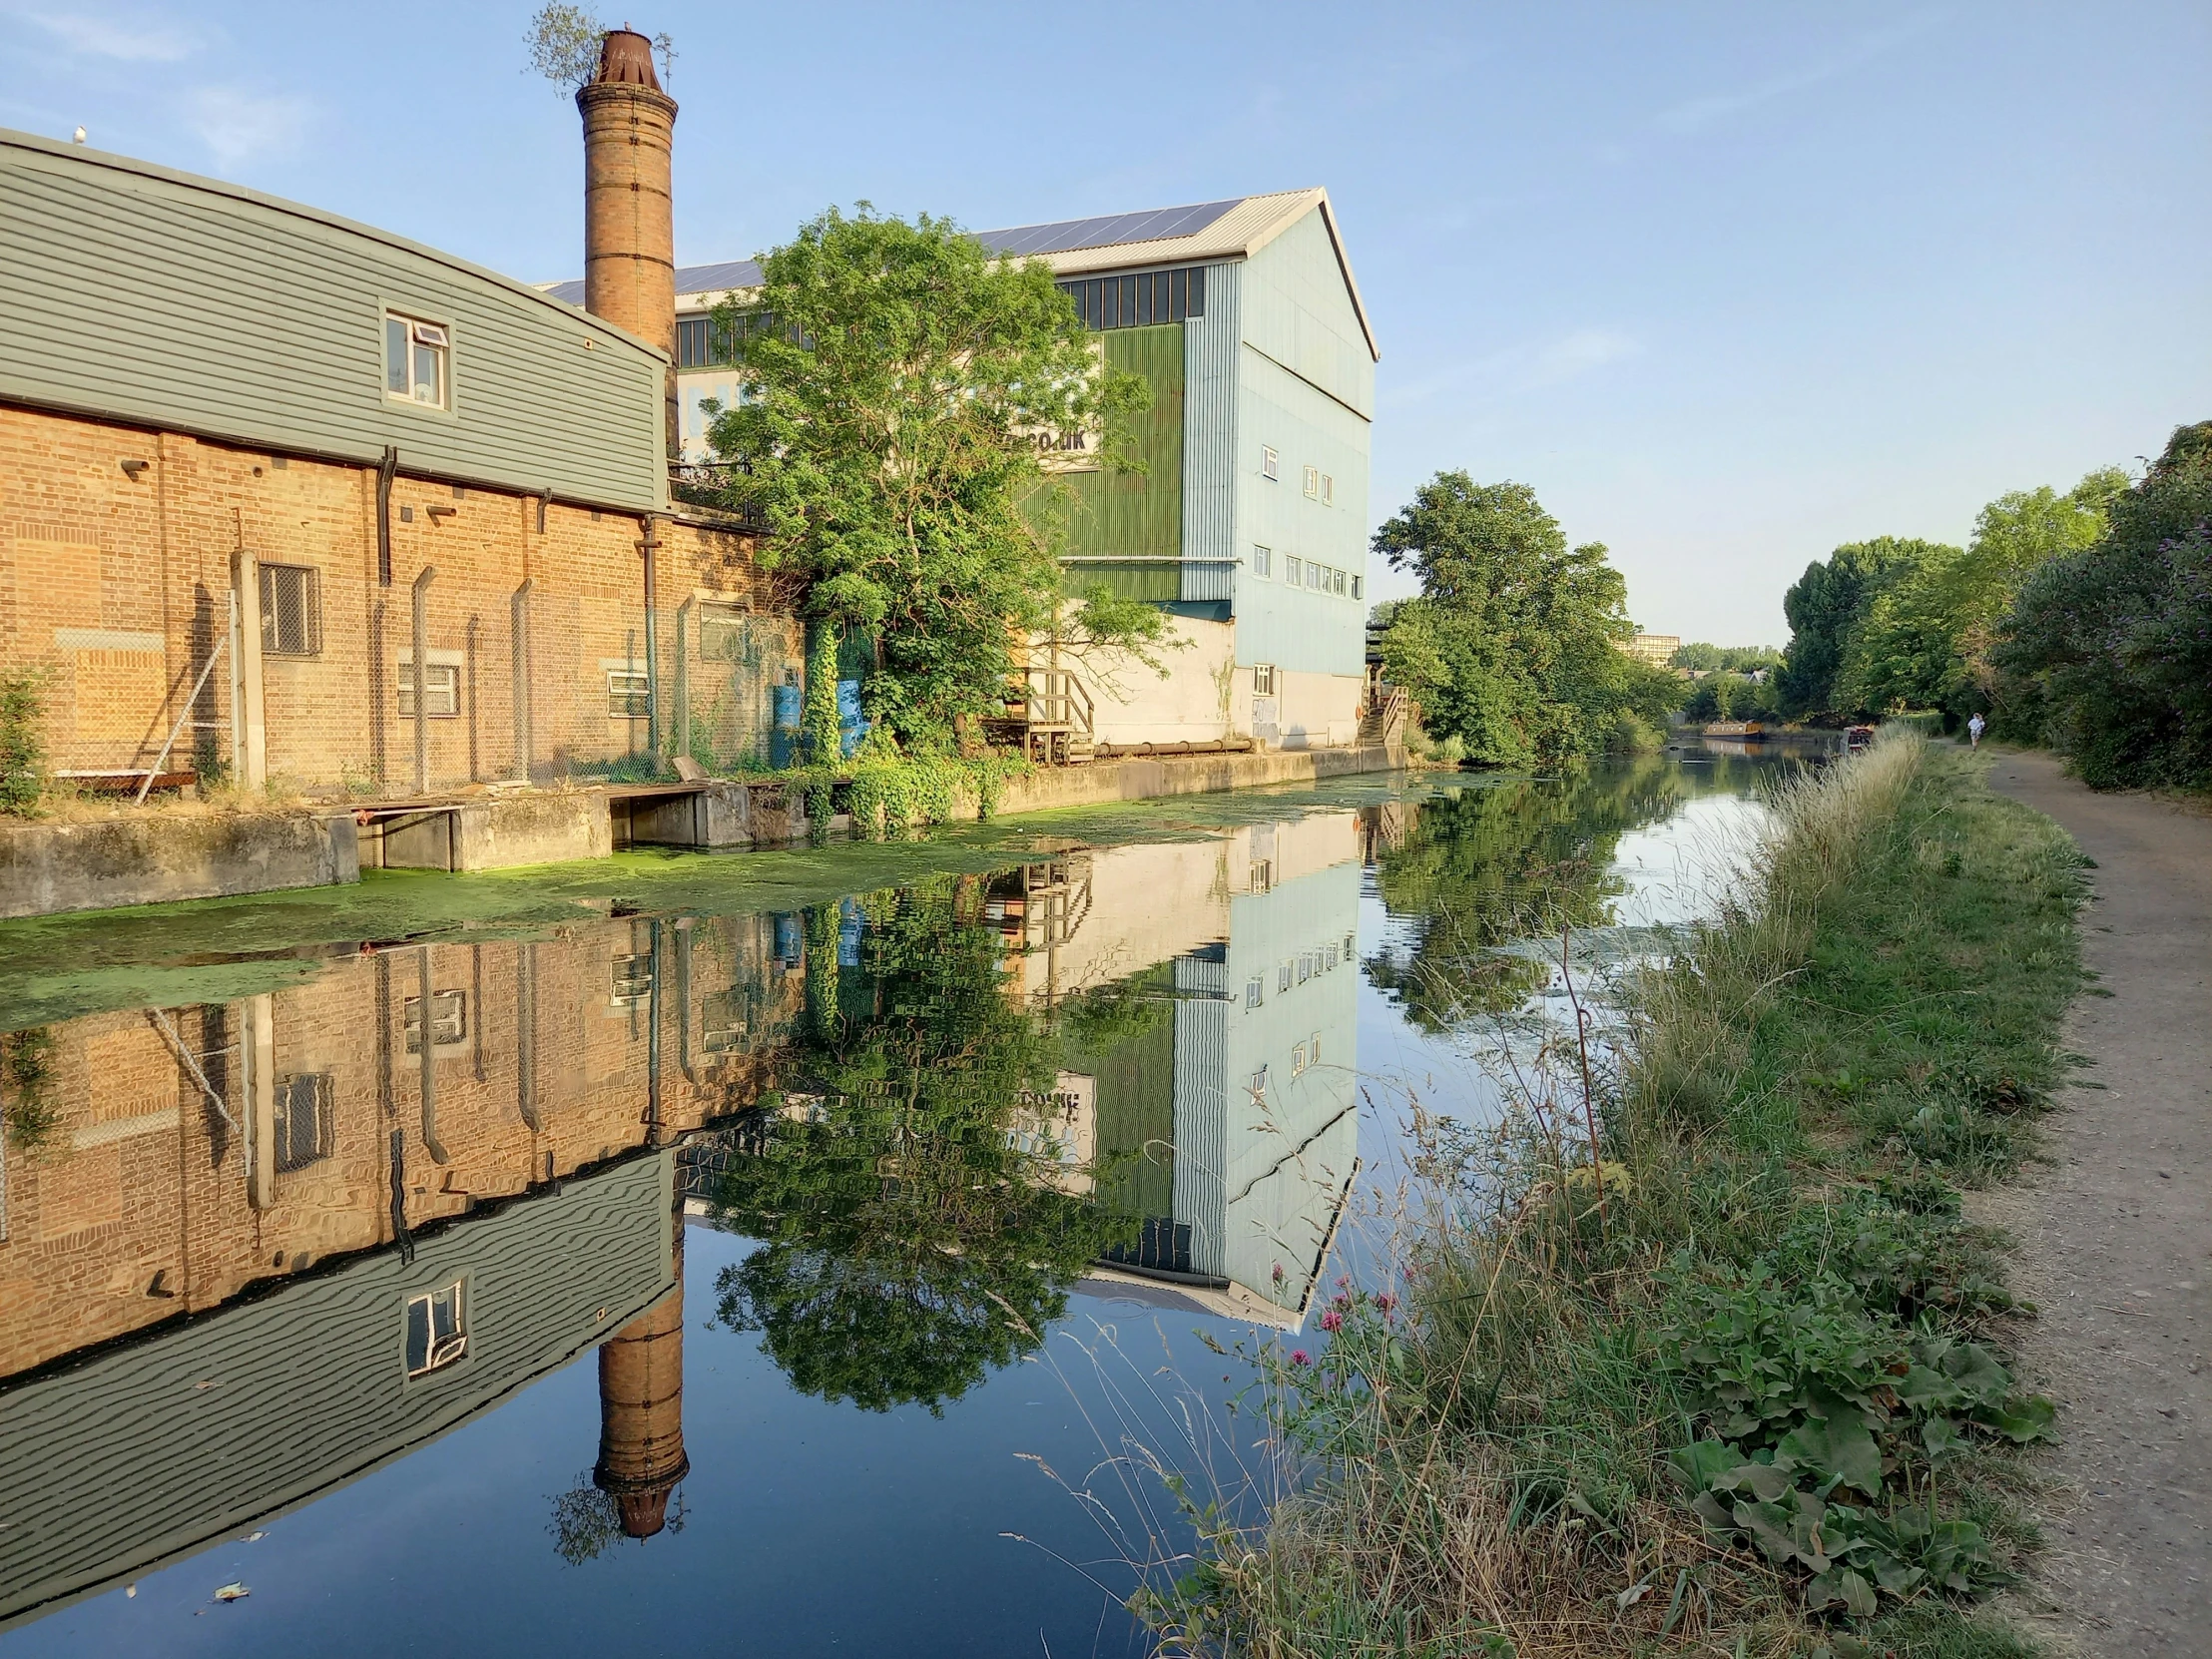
pixel 260 1249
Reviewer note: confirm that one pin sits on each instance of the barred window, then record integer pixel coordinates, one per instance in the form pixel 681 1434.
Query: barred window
pixel 1137 301
pixel 630 980
pixel 437 1334
pixel 441 690
pixel 303 1129
pixel 448 1020
pixel 1292 572
pixel 292 610
pixel 1263 561
pixel 1262 680
pixel 1256 991
pixel 629 695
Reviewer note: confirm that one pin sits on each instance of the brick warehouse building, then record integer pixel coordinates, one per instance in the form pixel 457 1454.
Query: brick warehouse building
pixel 251 453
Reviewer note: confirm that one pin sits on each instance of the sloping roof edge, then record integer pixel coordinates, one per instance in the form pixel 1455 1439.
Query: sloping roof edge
pixel 1318 197
pixel 78 155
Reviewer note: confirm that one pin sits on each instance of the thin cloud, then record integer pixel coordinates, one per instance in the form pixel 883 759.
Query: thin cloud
pixel 1699 113
pixel 104 37
pixel 240 127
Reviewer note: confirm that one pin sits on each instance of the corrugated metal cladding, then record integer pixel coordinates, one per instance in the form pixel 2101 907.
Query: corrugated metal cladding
pixel 1138 514
pixel 115 1465
pixel 178 301
pixel 1210 352
pixel 1202 1129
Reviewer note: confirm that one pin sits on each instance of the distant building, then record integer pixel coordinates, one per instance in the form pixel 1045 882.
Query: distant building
pixel 1250 523
pixel 1655 649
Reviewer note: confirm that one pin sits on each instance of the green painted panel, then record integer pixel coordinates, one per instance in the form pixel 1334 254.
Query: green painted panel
pixel 1136 1116
pixel 158 298
pixel 1137 512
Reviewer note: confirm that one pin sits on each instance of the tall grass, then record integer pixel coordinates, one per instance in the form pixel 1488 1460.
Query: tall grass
pixel 1484 1470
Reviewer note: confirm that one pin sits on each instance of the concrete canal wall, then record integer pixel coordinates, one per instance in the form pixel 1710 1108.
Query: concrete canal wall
pixel 47 869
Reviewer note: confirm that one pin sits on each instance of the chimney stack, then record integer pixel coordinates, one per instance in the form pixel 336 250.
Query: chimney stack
pixel 641 1412
pixel 629 228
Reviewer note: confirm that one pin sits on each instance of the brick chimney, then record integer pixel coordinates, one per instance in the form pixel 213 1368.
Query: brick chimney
pixel 641 1412
pixel 628 231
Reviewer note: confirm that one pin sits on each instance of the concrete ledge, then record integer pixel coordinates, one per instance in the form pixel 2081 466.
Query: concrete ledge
pixel 505 833
pixel 1148 780
pixel 160 857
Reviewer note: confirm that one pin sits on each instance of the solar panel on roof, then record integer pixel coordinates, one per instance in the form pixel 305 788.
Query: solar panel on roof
pixel 1107 230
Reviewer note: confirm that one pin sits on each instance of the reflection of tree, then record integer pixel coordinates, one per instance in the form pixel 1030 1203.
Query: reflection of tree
pixel 908 1246
pixel 1485 866
pixel 586 1521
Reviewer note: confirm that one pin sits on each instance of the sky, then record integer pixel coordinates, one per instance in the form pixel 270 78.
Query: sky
pixel 1726 285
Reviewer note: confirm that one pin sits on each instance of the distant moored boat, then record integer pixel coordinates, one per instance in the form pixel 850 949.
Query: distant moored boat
pixel 1736 729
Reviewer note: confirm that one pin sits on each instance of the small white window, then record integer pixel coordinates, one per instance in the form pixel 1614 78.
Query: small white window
pixel 1291 572
pixel 415 360
pixel 1349 944
pixel 1259 1084
pixel 1312 1050
pixel 1331 959
pixel 448 1020
pixel 1305 966
pixel 1256 991
pixel 1282 977
pixel 1356 587
pixel 629 694
pixel 1262 680
pixel 630 980
pixel 437 1334
pixel 1337 579
pixel 1270 465
pixel 1263 878
pixel 1297 1059
pixel 1313 482
pixel 1328 490
pixel 1316 577
pixel 441 690
pixel 1263 562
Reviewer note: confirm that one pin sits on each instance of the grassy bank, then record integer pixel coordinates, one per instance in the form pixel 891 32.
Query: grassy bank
pixel 1734 1379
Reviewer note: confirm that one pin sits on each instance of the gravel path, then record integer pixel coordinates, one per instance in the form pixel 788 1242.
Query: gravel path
pixel 2117 1235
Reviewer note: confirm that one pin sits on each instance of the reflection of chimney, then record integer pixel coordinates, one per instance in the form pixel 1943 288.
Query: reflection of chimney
pixel 628 231
pixel 641 1412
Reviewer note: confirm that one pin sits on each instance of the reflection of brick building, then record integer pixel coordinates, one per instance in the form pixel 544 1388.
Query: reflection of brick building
pixel 329 1123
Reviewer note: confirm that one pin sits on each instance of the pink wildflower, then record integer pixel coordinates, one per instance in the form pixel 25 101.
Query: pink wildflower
pixel 1385 1302
pixel 1332 1320
pixel 1298 1357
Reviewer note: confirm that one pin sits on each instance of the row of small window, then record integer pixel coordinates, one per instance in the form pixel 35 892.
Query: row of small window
pixel 1307 573
pixel 1304 1057
pixel 1137 301
pixel 1320 487
pixel 710 342
pixel 1296 970
pixel 629 692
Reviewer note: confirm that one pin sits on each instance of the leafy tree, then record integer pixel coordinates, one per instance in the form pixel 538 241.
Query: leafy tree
pixel 2108 651
pixel 1825 608
pixel 1736 659
pixel 898 379
pixel 909 1246
pixel 1513 646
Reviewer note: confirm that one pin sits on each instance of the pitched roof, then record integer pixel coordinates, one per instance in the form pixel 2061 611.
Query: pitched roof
pixel 1235 228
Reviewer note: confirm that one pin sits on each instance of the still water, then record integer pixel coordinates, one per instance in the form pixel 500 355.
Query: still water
pixel 703 1277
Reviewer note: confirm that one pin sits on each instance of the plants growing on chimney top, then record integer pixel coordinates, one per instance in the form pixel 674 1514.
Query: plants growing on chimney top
pixel 894 434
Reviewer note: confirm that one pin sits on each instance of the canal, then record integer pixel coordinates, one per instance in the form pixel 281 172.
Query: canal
pixel 786 1254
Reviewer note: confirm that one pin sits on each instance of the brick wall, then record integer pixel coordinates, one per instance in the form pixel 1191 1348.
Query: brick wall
pixel 118 586
pixel 145 1203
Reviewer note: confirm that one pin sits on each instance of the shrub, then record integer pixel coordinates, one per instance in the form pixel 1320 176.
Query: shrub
pixel 22 753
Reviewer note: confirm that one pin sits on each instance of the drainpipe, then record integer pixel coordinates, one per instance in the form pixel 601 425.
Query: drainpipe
pixel 653 1040
pixel 649 546
pixel 429 1047
pixel 683 674
pixel 422 688
pixel 253 748
pixel 519 654
pixel 385 469
pixel 683 926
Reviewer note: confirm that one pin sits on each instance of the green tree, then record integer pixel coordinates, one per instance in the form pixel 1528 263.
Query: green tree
pixel 899 383
pixel 1736 659
pixel 1825 608
pixel 2108 651
pixel 909 1245
pixel 1513 645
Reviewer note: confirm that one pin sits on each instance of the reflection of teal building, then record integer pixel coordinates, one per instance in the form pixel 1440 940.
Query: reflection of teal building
pixel 1236 1124
pixel 167 1444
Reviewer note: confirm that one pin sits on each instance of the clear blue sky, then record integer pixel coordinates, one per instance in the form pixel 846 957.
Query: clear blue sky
pixel 1727 284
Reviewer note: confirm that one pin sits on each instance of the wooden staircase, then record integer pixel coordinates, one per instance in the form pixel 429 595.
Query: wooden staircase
pixel 1383 725
pixel 1049 716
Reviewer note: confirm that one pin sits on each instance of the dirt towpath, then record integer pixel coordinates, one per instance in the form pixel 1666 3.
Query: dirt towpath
pixel 2117 1236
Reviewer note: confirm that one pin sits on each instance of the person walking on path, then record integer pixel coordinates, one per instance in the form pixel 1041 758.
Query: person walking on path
pixel 1974 727
pixel 2116 1232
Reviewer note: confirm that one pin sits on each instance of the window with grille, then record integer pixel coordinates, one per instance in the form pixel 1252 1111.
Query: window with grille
pixel 629 694
pixel 1263 562
pixel 441 690
pixel 1256 991
pixel 1292 572
pixel 1328 490
pixel 292 611
pixel 1263 878
pixel 415 362
pixel 1262 680
pixel 437 1332
pixel 302 1126
pixel 448 1020
pixel 1283 977
pixel 1271 464
pixel 1313 482
pixel 630 980
pixel 1259 1084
